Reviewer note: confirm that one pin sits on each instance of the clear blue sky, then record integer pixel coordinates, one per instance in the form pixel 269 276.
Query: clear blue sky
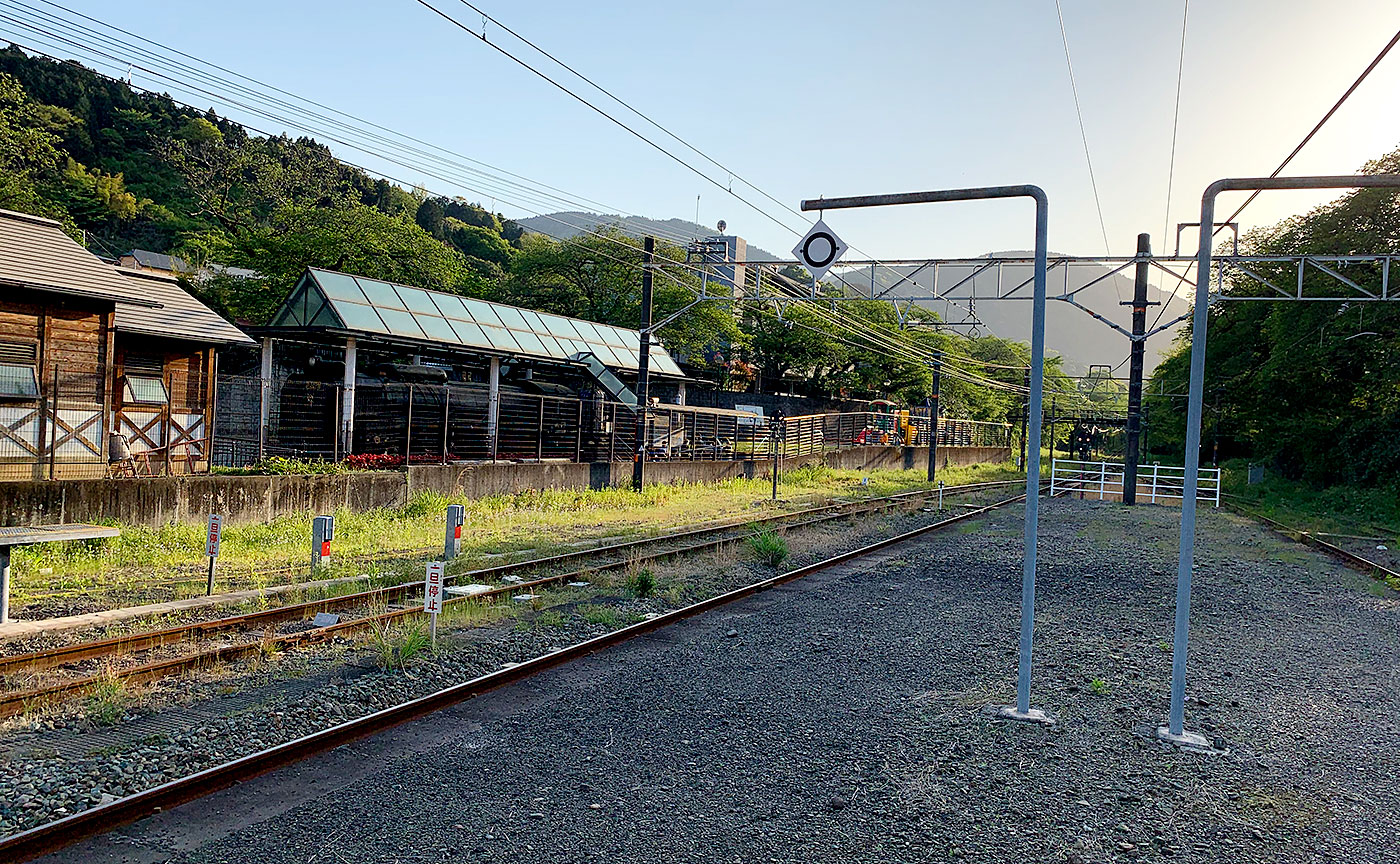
pixel 831 97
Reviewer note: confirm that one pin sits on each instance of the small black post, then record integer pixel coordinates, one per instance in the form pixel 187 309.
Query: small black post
pixel 643 380
pixel 446 419
pixel 933 416
pixel 1130 448
pixel 775 426
pixel 408 431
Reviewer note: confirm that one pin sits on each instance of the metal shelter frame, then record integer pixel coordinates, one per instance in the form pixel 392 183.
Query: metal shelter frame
pixel 1021 710
pixel 1174 730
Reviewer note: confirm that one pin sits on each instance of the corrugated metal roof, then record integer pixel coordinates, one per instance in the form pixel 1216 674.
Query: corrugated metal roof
pixel 357 304
pixel 35 253
pixel 158 260
pixel 180 315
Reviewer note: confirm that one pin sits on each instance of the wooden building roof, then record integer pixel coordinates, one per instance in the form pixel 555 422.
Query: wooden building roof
pixel 36 254
pixel 179 316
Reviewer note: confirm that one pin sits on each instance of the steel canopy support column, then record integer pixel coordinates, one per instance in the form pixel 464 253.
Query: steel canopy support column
pixel 347 398
pixel 1021 710
pixel 1174 731
pixel 264 396
pixel 493 407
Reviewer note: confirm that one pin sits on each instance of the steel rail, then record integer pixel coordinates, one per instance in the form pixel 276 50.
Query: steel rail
pixel 131 643
pixel 412 553
pixel 64 832
pixel 16 702
pixel 1309 538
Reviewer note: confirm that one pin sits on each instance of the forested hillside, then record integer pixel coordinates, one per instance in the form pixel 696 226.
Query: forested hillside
pixel 126 169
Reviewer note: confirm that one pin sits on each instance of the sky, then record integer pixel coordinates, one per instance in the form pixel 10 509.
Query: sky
pixel 830 97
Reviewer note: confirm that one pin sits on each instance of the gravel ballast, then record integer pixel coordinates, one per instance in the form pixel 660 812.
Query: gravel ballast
pixel 844 718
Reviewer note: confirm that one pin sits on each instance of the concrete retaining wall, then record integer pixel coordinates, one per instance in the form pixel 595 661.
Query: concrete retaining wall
pixel 160 500
pixel 155 501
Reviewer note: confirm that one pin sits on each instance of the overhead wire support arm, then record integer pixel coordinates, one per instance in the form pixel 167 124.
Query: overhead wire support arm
pixel 1174 729
pixel 1021 710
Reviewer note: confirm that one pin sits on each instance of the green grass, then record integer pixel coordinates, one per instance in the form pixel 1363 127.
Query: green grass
pixel 608 616
pixel 1370 512
pixel 769 547
pixel 107 700
pixel 131 568
pixel 396 645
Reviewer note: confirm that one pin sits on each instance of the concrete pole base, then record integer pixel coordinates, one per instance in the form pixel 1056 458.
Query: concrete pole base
pixel 1034 715
pixel 1192 741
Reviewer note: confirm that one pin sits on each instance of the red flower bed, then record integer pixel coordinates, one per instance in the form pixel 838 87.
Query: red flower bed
pixel 373 461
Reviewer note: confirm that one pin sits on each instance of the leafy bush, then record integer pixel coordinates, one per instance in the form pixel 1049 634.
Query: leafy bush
pixel 769 547
pixel 641 584
pixel 285 465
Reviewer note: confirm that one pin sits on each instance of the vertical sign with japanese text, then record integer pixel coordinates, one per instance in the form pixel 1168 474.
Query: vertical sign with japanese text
pixel 216 533
pixel 432 588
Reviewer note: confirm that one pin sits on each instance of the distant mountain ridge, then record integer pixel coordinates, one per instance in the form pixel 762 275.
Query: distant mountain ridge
pixel 571 223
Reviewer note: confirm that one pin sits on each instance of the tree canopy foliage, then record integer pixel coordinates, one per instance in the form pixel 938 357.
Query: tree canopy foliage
pixel 128 170
pixel 1310 387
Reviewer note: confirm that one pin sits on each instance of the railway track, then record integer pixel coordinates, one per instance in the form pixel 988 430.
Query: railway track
pixel 258 639
pixel 1309 538
pixel 70 829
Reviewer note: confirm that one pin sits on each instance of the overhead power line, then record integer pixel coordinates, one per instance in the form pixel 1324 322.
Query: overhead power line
pixel 624 103
pixel 352 134
pixel 619 123
pixel 1083 135
pixel 731 175
pixel 1171 160
pixel 1308 137
pixel 1176 116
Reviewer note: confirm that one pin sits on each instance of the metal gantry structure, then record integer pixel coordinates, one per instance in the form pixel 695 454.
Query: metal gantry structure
pixel 1021 710
pixel 1373 285
pixel 1174 730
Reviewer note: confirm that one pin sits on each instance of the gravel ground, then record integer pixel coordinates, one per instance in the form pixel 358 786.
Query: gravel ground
pixel 64 762
pixel 843 718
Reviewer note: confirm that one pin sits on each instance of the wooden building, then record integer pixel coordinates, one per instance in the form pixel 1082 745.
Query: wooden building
pixel 67 320
pixel 166 367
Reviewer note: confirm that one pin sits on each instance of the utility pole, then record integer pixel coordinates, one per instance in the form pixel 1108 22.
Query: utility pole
pixel 643 362
pixel 1139 304
pixel 933 416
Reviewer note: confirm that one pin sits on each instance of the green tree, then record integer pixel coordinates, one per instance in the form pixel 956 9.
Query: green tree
pixel 351 238
pixel 28 156
pixel 597 277
pixel 1311 387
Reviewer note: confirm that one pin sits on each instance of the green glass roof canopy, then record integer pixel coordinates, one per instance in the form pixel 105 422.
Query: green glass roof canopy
pixel 339 301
